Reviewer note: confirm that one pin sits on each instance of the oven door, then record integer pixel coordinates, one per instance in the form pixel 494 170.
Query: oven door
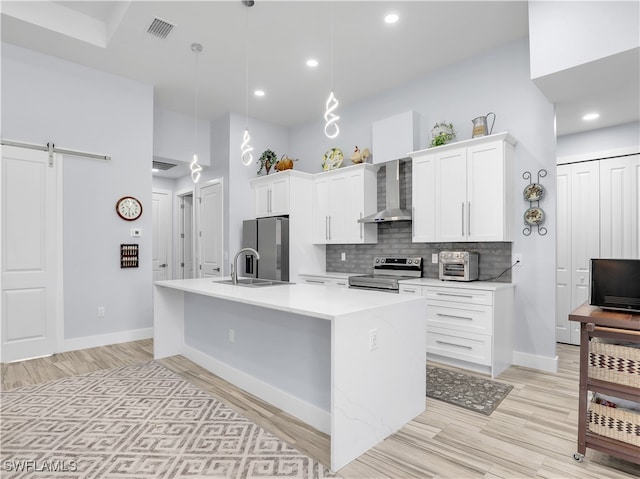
pixel 455 270
pixel 373 284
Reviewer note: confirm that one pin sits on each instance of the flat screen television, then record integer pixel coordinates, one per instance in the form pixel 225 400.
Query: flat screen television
pixel 615 284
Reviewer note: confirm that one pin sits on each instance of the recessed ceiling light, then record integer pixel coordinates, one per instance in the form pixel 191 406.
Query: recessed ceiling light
pixel 259 93
pixel 591 116
pixel 391 17
pixel 312 62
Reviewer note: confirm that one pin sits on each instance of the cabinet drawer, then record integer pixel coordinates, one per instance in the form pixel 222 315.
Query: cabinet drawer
pixel 474 318
pixel 459 295
pixel 474 348
pixel 410 289
pixel 323 281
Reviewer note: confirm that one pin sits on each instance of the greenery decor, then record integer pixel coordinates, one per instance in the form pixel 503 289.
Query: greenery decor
pixel 442 133
pixel 267 160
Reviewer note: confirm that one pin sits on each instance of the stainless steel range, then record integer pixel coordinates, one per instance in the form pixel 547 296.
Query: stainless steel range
pixel 387 272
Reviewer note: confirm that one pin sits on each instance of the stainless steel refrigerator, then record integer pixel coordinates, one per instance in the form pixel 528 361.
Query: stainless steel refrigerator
pixel 270 237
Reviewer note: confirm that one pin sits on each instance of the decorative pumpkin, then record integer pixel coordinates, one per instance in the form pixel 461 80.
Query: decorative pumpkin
pixel 285 163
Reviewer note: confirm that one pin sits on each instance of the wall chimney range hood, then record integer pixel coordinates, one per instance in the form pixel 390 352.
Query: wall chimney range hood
pixel 393 210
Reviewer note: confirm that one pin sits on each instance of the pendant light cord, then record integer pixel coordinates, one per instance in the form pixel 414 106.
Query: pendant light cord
pixel 196 48
pixel 331 128
pixel 195 109
pixel 245 146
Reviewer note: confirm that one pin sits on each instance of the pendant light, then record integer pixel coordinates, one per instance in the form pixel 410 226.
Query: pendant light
pixel 245 147
pixel 196 48
pixel 331 128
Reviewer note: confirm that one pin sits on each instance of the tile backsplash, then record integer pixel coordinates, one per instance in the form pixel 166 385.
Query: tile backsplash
pixel 395 239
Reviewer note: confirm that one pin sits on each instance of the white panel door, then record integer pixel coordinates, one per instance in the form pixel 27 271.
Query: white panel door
pixel 185 238
pixel 161 211
pixel 210 223
pixel 563 255
pixel 29 254
pixel 618 212
pixel 585 226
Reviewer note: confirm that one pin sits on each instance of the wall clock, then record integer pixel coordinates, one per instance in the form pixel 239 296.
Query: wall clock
pixel 129 208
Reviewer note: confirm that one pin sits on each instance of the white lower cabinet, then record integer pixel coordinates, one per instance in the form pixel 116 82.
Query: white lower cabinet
pixel 468 325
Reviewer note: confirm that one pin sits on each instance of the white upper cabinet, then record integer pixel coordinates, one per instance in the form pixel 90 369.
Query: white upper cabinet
pixel 423 181
pixel 340 198
pixel 463 191
pixel 271 194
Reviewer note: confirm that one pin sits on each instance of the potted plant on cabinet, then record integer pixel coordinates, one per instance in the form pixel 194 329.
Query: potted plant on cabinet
pixel 267 160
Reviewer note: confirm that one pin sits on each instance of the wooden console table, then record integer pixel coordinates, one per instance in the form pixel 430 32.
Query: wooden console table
pixel 596 322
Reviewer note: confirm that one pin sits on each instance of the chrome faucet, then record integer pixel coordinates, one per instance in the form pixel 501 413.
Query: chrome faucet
pixel 234 265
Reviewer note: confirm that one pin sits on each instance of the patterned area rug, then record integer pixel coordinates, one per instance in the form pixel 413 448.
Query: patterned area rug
pixel 469 392
pixel 140 421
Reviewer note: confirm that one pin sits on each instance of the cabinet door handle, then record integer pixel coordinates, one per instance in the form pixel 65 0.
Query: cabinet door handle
pixel 341 284
pixel 469 219
pixel 326 227
pixel 413 222
pixel 462 219
pixel 361 227
pixel 444 343
pixel 270 201
pixel 453 316
pixel 318 281
pixel 329 226
pixel 456 295
pixel 407 290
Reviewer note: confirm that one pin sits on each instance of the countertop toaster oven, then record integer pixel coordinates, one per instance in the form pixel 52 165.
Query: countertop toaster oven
pixel 458 265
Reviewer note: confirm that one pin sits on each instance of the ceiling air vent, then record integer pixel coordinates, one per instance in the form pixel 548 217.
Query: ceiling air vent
pixel 162 165
pixel 160 28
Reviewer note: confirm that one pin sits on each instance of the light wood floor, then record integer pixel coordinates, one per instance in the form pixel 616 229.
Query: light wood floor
pixel 532 434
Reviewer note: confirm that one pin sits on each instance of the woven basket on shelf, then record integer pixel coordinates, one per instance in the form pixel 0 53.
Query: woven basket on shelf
pixel 614 423
pixel 614 363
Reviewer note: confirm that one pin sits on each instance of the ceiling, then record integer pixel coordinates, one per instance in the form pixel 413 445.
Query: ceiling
pixel 369 56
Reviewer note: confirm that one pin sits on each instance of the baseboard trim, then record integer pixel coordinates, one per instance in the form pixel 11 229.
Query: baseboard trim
pixel 533 361
pixel 309 413
pixel 73 344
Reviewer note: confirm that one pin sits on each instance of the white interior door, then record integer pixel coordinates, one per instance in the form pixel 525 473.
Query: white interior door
pixel 563 254
pixel 210 223
pixel 29 254
pixel 161 211
pixel 185 237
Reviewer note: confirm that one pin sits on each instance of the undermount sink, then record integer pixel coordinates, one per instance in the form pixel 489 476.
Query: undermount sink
pixel 253 282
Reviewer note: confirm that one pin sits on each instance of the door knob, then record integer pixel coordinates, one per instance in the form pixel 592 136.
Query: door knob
pixel 217 269
pixel 162 266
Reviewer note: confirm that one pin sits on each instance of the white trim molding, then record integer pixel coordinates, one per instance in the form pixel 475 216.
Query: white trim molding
pixel 73 344
pixel 533 361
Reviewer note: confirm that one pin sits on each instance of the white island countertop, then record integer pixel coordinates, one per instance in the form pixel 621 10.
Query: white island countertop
pixel 308 300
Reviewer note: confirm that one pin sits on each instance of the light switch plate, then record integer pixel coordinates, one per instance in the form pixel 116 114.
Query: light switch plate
pixel 434 257
pixel 135 232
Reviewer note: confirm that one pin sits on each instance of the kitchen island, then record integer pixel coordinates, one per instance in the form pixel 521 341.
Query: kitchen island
pixel 350 363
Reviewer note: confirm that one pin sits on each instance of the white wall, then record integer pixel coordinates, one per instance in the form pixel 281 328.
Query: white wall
pixel 263 136
pixel 45 99
pixel 174 137
pixel 497 81
pixel 590 144
pixel 587 31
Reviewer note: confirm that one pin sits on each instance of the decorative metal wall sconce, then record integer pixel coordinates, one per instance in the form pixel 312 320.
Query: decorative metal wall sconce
pixel 533 193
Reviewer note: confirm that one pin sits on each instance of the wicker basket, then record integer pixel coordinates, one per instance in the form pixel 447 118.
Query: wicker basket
pixel 614 423
pixel 614 363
